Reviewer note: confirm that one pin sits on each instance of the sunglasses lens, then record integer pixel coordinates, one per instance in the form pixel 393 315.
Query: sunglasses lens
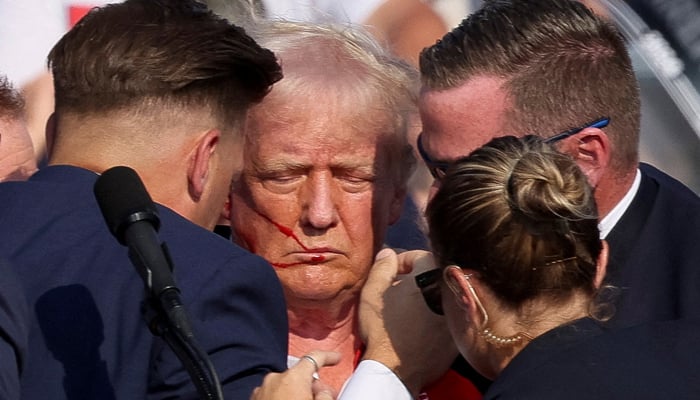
pixel 428 284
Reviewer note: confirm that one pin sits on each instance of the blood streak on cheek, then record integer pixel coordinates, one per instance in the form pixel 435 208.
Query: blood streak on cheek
pixel 288 233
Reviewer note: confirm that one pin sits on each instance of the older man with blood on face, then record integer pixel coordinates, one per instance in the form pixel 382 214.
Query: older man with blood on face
pixel 324 175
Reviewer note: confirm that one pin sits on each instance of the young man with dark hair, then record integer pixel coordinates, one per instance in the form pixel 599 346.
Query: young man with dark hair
pixel 162 87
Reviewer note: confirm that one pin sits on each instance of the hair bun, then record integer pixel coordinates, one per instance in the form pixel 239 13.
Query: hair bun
pixel 543 187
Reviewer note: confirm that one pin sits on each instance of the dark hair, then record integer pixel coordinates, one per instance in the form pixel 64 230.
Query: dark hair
pixel 522 215
pixel 11 102
pixel 172 53
pixel 562 65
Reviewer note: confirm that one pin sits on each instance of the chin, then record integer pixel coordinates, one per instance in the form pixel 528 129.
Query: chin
pixel 323 296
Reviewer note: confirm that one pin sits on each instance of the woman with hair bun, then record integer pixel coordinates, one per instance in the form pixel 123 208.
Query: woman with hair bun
pixel 514 232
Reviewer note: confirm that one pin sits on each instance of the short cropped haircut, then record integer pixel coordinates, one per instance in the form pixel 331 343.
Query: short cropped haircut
pixel 562 65
pixel 523 216
pixel 11 101
pixel 319 57
pixel 170 53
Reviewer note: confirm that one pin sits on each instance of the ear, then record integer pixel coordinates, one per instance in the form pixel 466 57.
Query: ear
pixel 454 277
pixel 200 163
pixel 226 213
pixel 396 206
pixel 50 133
pixel 592 153
pixel 461 283
pixel 601 264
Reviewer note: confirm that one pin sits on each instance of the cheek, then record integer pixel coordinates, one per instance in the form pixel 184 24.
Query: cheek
pixel 265 223
pixel 366 225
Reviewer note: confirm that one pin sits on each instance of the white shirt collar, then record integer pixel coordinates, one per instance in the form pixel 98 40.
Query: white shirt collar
pixel 609 221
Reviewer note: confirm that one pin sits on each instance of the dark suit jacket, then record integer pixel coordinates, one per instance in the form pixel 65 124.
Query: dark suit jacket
pixel 585 361
pixel 14 331
pixel 655 253
pixel 88 339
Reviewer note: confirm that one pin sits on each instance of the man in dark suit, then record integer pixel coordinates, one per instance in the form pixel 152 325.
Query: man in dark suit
pixel 544 67
pixel 161 87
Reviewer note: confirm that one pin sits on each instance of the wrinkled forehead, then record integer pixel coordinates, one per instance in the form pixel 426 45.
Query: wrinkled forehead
pixel 332 110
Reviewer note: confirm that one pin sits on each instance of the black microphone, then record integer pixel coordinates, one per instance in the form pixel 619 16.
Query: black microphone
pixel 133 219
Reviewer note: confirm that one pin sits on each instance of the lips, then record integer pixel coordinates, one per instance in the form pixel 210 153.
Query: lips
pixel 313 256
pixel 320 250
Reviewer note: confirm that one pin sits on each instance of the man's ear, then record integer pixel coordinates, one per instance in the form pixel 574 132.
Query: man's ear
pixel 591 151
pixel 226 213
pixel 396 206
pixel 200 162
pixel 601 265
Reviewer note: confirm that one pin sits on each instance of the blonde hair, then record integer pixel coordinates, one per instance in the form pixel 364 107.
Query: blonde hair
pixel 346 60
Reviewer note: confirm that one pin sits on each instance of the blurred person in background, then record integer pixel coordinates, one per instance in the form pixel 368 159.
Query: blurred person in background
pixel 28 30
pixel 17 160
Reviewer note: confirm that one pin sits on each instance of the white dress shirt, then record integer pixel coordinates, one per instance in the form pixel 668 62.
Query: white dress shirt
pixel 609 221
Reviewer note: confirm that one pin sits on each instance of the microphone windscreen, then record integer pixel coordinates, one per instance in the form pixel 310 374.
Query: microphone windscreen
pixel 123 200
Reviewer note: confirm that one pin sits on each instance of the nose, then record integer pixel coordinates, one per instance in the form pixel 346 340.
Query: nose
pixel 318 203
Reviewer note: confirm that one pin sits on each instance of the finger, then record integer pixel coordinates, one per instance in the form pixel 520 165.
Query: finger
pixel 324 395
pixel 256 393
pixel 311 362
pixel 383 272
pixel 415 261
pixel 324 358
pixel 322 390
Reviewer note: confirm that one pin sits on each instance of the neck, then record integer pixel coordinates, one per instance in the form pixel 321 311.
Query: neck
pixel 324 329
pixel 611 189
pixel 172 193
pixel 536 319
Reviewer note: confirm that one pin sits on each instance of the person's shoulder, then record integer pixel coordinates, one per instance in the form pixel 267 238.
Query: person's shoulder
pixel 635 362
pixel 669 186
